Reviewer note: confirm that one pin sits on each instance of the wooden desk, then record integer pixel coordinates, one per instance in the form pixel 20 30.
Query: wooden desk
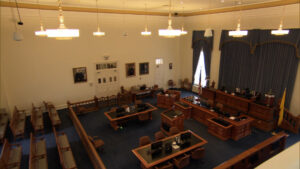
pixel 115 120
pixel 185 108
pixel 142 93
pixel 171 118
pixel 144 153
pixel 234 130
pixel 208 93
pixel 232 102
pixel 165 101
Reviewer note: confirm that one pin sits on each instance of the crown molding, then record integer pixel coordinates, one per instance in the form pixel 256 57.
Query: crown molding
pixel 133 12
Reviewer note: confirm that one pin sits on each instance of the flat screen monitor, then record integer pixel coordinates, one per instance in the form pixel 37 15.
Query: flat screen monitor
pixel 156 145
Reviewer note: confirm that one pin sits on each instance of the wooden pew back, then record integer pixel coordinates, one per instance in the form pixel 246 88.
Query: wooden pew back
pixel 256 155
pixel 89 147
pixel 290 122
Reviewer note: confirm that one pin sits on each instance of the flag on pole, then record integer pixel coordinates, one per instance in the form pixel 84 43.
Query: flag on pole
pixel 281 108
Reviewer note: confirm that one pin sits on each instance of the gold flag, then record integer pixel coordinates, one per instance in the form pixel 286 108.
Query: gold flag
pixel 281 108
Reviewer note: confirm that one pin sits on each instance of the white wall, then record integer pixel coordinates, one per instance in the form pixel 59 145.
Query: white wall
pixel 267 18
pixel 38 69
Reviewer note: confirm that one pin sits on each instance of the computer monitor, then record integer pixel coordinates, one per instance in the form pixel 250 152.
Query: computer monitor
pixel 185 136
pixel 156 145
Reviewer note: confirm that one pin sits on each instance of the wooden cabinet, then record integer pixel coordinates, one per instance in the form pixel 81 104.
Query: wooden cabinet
pixel 219 128
pixel 165 101
pixel 185 108
pixel 172 118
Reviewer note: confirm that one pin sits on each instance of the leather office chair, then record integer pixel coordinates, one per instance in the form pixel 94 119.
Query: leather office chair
pixel 159 135
pixel 220 106
pixel 144 140
pixel 210 103
pixel 167 165
pixel 136 102
pixel 181 161
pixel 174 130
pixel 144 117
pixel 98 143
pixel 171 84
pixel 198 153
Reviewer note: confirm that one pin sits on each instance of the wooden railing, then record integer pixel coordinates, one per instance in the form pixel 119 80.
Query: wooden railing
pixel 290 122
pixel 90 149
pixel 257 154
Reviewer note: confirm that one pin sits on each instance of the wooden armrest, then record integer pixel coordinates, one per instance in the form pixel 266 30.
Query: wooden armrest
pixel 39 156
pixel 65 148
pixel 16 144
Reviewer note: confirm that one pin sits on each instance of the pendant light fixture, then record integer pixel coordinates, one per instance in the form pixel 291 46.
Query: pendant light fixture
pixel 280 30
pixel 98 33
pixel 146 32
pixel 208 31
pixel 62 33
pixel 169 32
pixel 238 32
pixel 183 32
pixel 42 32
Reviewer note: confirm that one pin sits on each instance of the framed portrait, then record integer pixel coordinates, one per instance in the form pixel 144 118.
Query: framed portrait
pixel 79 74
pixel 170 66
pixel 144 68
pixel 130 69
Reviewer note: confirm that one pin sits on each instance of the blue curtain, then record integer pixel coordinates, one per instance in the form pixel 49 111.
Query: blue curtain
pixel 199 43
pixel 260 61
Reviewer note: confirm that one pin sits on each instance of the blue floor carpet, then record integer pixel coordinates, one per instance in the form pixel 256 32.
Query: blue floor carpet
pixel 118 144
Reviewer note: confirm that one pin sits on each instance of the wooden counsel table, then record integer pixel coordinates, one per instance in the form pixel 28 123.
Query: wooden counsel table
pixel 171 118
pixel 148 160
pixel 116 118
pixel 221 127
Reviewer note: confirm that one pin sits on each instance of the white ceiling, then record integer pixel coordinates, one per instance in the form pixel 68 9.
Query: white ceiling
pixel 152 5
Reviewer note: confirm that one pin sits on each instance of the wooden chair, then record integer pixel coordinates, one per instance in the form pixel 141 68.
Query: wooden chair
pixel 174 130
pixel 112 100
pixel 144 140
pixel 167 165
pixel 198 153
pixel 136 102
pixel 181 161
pixel 159 135
pixel 171 84
pixel 11 156
pixel 97 142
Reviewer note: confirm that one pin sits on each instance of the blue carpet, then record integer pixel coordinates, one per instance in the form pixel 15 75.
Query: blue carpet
pixel 118 144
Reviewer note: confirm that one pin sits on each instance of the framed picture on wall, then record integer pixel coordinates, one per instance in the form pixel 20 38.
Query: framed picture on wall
pixel 170 65
pixel 79 74
pixel 144 68
pixel 130 69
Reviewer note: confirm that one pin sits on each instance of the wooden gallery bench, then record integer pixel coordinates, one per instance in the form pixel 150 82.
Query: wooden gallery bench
pixel 3 124
pixel 37 119
pixel 10 156
pixel 17 123
pixel 38 153
pixel 256 155
pixel 53 115
pixel 66 157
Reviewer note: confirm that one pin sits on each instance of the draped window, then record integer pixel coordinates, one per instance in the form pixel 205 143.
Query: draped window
pixel 260 61
pixel 205 44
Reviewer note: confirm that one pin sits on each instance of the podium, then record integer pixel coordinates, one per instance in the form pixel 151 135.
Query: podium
pixel 171 118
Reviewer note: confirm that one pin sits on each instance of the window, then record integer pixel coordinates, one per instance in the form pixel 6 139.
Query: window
pixel 200 74
pixel 159 61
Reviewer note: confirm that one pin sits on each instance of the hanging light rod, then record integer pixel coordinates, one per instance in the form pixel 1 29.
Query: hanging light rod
pixel 134 12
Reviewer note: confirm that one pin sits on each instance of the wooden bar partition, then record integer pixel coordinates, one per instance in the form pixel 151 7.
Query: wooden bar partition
pixel 256 155
pixel 90 149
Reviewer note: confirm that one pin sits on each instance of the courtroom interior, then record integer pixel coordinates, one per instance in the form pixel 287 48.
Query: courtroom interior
pixel 149 84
